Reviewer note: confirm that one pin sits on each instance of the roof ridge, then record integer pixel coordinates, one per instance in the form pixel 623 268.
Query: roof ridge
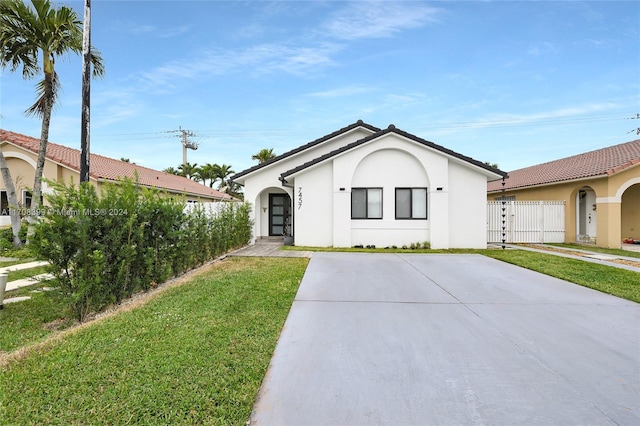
pixel 583 154
pixel 308 145
pixel 591 164
pixel 391 129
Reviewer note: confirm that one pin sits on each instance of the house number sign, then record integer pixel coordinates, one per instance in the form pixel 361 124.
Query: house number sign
pixel 299 197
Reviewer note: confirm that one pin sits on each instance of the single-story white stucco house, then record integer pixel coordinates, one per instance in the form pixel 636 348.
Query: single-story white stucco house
pixel 362 185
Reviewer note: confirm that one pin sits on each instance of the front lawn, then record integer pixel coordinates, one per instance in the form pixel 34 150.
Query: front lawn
pixel 195 353
pixel 607 279
pixel 614 252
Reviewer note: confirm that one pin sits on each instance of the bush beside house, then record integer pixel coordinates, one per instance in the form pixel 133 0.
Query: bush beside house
pixel 104 248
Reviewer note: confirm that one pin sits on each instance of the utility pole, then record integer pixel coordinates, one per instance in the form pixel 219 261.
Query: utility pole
pixel 186 143
pixel 86 97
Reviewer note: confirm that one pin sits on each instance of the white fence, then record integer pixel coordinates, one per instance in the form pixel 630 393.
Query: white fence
pixel 526 221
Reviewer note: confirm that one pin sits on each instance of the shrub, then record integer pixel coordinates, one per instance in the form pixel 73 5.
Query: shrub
pixel 105 248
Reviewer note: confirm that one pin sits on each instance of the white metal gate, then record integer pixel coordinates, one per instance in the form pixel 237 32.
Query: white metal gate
pixel 526 221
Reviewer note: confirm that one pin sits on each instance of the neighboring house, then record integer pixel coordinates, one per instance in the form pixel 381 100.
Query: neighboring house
pixel 361 185
pixel 601 191
pixel 63 164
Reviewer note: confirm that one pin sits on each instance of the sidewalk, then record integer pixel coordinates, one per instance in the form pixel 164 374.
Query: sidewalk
pixel 588 256
pixel 12 285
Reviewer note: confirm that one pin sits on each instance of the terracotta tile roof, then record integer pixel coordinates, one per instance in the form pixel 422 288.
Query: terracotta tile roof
pixel 109 169
pixel 602 162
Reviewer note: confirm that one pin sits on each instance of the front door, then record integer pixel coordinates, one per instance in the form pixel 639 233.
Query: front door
pixel 279 211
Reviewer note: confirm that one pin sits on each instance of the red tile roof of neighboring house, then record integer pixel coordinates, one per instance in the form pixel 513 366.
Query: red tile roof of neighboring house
pixel 602 162
pixel 109 169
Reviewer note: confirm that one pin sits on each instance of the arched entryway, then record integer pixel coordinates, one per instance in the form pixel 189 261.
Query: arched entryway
pixel 586 218
pixel 630 213
pixel 273 213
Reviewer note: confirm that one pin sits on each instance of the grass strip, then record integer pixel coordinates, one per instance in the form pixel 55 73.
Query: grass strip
pixel 607 279
pixel 27 273
pixel 194 354
pixel 30 321
pixel 614 252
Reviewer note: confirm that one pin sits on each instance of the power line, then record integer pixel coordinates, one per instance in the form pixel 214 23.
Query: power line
pixel 475 124
pixel 186 143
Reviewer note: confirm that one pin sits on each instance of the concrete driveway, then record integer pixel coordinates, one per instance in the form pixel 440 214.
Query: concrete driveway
pixel 399 339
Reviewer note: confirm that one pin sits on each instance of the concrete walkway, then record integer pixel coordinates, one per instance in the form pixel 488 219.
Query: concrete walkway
pixel 269 248
pixel 12 285
pixel 410 339
pixel 589 256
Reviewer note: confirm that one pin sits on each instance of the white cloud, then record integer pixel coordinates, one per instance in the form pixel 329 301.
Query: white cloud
pixel 152 30
pixel 577 114
pixel 378 19
pixel 255 60
pixel 342 92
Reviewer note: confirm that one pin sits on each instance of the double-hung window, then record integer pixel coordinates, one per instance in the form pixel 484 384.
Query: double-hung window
pixel 411 203
pixel 366 203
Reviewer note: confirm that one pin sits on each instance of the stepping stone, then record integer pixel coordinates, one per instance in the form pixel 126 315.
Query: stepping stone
pixel 16 299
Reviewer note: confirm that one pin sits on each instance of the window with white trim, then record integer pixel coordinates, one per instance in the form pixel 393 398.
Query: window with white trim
pixel 366 203
pixel 411 203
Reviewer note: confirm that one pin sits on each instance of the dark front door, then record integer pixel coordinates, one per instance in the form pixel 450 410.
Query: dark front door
pixel 279 211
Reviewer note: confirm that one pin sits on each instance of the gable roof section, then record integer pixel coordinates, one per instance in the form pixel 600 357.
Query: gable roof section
pixel 311 144
pixel 109 169
pixel 391 129
pixel 599 163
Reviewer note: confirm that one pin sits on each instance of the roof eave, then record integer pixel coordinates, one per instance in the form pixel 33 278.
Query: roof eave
pixel 340 132
pixel 173 191
pixel 540 185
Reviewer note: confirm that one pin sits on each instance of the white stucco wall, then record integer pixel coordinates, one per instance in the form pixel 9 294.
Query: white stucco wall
pixel 258 184
pixel 467 207
pixel 313 207
pixel 456 200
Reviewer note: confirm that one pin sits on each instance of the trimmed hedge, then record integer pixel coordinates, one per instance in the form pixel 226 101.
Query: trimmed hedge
pixel 105 248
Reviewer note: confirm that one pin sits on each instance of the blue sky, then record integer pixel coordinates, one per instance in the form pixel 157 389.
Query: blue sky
pixel 513 83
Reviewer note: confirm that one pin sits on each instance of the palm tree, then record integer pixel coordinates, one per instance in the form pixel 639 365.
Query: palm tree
pixel 235 190
pixel 26 34
pixel 264 155
pixel 208 172
pixel 223 172
pixel 171 171
pixel 188 170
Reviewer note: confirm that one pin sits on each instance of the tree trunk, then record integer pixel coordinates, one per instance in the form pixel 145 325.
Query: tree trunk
pixel 13 201
pixel 42 155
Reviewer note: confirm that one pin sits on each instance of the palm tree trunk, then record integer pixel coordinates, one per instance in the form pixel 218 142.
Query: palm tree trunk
pixel 42 154
pixel 13 201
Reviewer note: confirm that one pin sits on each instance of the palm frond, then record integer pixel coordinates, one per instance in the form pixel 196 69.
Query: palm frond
pixel 18 33
pixel 44 94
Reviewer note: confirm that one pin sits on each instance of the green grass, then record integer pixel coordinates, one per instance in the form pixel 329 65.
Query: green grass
pixel 369 250
pixel 194 354
pixel 30 321
pixel 27 273
pixel 616 252
pixel 608 279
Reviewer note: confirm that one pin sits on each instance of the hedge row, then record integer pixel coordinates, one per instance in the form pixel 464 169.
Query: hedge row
pixel 103 248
